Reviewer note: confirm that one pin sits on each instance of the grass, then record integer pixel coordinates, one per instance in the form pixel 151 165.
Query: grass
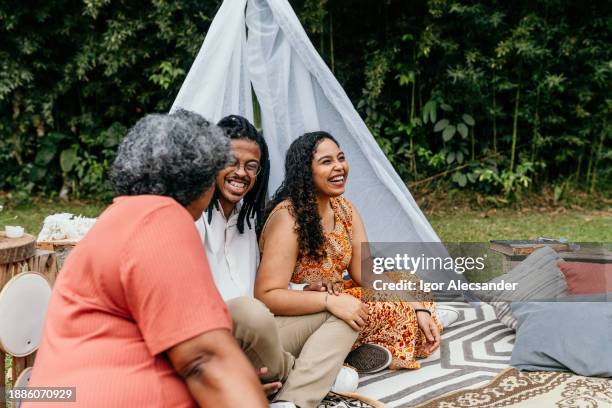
pixel 31 216
pixel 468 225
pixel 462 215
pixel 452 224
pixel 476 226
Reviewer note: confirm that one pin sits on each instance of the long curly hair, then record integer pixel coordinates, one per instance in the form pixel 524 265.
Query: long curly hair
pixel 253 203
pixel 298 187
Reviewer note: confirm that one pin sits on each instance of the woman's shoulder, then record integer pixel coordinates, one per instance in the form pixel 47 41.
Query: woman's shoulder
pixel 280 223
pixel 283 205
pixel 282 210
pixel 281 215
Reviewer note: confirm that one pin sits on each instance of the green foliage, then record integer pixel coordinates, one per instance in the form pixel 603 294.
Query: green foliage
pixel 505 83
pixel 166 75
pixel 494 97
pixel 512 183
pixel 74 76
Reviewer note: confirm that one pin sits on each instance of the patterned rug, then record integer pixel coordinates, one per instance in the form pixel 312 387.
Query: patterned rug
pixel 515 389
pixel 349 400
pixel 473 351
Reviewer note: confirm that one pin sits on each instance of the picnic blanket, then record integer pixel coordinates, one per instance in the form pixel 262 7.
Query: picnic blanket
pixel 473 352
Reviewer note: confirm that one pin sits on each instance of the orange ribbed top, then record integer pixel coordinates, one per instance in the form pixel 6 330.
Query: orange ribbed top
pixel 136 285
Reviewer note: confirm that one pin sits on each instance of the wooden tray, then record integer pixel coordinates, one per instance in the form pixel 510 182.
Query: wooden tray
pixel 61 248
pixel 16 249
pixel 57 244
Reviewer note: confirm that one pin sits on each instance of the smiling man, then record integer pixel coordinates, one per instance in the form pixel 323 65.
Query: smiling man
pixel 304 354
pixel 228 226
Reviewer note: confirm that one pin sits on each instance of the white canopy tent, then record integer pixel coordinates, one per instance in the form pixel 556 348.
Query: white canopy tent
pixel 297 93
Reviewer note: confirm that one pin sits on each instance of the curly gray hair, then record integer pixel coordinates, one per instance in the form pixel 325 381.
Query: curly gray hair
pixel 176 155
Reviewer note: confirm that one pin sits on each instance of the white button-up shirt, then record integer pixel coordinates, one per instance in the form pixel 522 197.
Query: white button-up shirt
pixel 233 257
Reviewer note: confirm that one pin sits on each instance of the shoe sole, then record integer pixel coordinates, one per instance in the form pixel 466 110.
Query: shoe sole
pixel 369 358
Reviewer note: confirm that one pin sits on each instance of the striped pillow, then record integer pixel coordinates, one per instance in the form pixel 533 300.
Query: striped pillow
pixel 538 277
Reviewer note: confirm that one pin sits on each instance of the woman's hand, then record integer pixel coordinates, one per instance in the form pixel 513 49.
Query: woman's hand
pixel 349 309
pixel 327 285
pixel 430 329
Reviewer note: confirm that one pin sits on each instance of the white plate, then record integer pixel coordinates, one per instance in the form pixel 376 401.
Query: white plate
pixel 24 378
pixel 23 305
pixel 22 381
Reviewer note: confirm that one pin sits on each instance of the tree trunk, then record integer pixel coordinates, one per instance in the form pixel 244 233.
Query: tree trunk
pixel 331 43
pixel 515 128
pixel 494 119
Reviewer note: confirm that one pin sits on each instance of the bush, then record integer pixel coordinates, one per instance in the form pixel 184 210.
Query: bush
pixel 497 97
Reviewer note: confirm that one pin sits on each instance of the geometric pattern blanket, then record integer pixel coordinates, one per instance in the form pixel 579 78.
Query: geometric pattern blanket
pixel 473 351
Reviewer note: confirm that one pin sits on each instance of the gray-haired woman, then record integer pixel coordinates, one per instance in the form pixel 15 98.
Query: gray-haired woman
pixel 135 319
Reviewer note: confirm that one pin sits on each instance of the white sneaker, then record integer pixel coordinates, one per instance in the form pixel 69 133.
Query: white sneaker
pixel 447 315
pixel 347 380
pixel 282 404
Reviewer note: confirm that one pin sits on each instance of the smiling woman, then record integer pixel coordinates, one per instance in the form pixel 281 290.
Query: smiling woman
pixel 329 169
pixel 313 234
pixel 312 156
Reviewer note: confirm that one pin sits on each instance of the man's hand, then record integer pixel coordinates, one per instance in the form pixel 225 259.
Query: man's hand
pixel 269 388
pixel 327 285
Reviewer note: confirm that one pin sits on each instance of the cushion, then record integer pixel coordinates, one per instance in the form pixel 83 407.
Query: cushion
pixel 587 278
pixel 538 278
pixel 567 336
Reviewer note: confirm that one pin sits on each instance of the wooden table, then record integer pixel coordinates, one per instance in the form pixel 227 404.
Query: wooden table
pixel 594 253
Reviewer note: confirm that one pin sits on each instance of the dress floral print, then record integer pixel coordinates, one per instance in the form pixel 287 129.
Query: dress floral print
pixel 391 324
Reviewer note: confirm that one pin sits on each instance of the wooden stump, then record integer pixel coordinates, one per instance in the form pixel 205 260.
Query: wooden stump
pixel 16 249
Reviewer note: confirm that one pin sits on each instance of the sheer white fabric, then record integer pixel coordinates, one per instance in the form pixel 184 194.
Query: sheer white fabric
pixel 217 84
pixel 297 93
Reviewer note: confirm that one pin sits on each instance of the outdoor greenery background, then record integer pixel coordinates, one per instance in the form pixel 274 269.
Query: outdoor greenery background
pixel 495 98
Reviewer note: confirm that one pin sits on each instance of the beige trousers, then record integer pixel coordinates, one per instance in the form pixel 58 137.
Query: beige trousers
pixel 305 353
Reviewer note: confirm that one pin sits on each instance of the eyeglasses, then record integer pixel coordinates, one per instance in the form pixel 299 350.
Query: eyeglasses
pixel 252 168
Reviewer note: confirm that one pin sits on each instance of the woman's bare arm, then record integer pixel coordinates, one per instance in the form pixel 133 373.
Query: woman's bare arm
pixel 277 264
pixel 278 261
pixel 217 372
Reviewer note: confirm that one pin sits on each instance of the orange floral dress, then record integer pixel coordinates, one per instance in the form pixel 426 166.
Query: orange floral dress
pixel 391 324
